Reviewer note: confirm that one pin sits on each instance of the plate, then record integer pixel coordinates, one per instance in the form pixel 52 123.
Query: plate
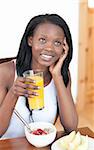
pixel 55 145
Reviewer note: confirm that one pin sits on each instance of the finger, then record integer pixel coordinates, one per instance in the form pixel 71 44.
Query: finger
pixel 20 79
pixel 60 61
pixel 51 67
pixel 29 80
pixel 65 45
pixel 20 84
pixel 23 82
pixel 33 94
pixel 18 89
pixel 25 92
pixel 30 93
pixel 33 87
pixel 25 79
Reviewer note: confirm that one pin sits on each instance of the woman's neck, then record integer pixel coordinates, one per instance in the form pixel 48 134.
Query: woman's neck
pixel 47 78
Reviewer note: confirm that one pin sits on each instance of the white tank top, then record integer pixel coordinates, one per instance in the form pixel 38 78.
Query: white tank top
pixel 48 113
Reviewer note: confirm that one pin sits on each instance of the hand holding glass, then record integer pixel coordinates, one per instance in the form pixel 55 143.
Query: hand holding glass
pixel 37 101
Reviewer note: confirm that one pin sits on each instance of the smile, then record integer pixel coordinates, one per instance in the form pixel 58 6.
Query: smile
pixel 46 57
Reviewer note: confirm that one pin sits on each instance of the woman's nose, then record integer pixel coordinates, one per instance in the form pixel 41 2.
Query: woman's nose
pixel 49 46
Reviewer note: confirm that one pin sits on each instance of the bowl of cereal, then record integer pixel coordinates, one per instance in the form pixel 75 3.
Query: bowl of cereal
pixel 42 133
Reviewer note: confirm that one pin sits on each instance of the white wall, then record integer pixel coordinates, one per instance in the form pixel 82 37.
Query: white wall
pixel 14 16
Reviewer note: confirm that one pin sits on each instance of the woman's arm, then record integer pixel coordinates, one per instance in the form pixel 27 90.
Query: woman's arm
pixel 10 90
pixel 67 110
pixel 7 97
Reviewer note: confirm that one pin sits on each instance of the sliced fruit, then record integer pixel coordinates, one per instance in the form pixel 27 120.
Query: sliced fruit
pixel 84 143
pixel 64 142
pixel 77 140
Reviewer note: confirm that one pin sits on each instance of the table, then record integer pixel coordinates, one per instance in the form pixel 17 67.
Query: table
pixel 22 143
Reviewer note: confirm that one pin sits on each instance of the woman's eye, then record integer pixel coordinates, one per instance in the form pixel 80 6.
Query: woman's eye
pixel 57 43
pixel 42 40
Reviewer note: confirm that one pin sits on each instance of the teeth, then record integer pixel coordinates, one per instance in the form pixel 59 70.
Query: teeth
pixel 46 56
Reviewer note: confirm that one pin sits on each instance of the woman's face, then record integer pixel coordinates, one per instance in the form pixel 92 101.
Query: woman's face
pixel 47 44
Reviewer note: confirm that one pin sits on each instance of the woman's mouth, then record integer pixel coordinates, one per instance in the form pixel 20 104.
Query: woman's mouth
pixel 46 57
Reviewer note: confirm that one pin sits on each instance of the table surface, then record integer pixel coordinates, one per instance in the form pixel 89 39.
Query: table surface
pixel 22 143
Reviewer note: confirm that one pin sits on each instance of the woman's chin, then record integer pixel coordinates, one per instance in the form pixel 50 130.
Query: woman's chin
pixel 45 63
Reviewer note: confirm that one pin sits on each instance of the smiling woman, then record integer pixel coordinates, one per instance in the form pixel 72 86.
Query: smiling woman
pixel 46 45
pixel 16 25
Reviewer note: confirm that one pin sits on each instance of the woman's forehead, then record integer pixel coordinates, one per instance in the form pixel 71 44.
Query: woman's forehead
pixel 49 27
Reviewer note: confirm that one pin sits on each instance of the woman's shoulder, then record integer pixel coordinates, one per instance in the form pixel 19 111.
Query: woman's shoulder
pixel 7 71
pixel 7 66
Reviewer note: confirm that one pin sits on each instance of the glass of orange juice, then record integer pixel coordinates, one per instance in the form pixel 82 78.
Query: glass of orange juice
pixel 37 101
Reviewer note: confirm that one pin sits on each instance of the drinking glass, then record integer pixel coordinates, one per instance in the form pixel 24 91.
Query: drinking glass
pixel 36 101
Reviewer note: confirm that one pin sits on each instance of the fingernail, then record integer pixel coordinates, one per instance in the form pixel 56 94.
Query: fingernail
pixel 38 87
pixel 36 94
pixel 33 81
pixel 26 95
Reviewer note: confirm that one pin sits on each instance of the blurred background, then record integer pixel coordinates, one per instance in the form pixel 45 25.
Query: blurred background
pixel 79 15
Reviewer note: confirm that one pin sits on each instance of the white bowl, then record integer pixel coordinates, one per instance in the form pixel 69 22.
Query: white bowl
pixel 41 140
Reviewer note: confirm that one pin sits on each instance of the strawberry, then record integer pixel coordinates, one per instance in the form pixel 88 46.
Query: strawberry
pixel 39 132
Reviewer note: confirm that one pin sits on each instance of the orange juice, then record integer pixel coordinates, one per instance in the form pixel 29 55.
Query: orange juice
pixel 37 102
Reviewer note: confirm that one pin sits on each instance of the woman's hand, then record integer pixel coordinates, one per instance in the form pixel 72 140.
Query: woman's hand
pixel 24 87
pixel 56 67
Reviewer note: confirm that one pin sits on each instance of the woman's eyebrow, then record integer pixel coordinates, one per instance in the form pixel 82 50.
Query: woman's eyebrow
pixel 43 35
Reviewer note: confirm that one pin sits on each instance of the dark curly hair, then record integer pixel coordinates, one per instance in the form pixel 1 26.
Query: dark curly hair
pixel 24 56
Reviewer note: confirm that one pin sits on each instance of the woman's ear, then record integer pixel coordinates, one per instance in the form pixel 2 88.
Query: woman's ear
pixel 30 40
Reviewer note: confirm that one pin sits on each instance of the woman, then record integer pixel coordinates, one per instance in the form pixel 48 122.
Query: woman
pixel 46 45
